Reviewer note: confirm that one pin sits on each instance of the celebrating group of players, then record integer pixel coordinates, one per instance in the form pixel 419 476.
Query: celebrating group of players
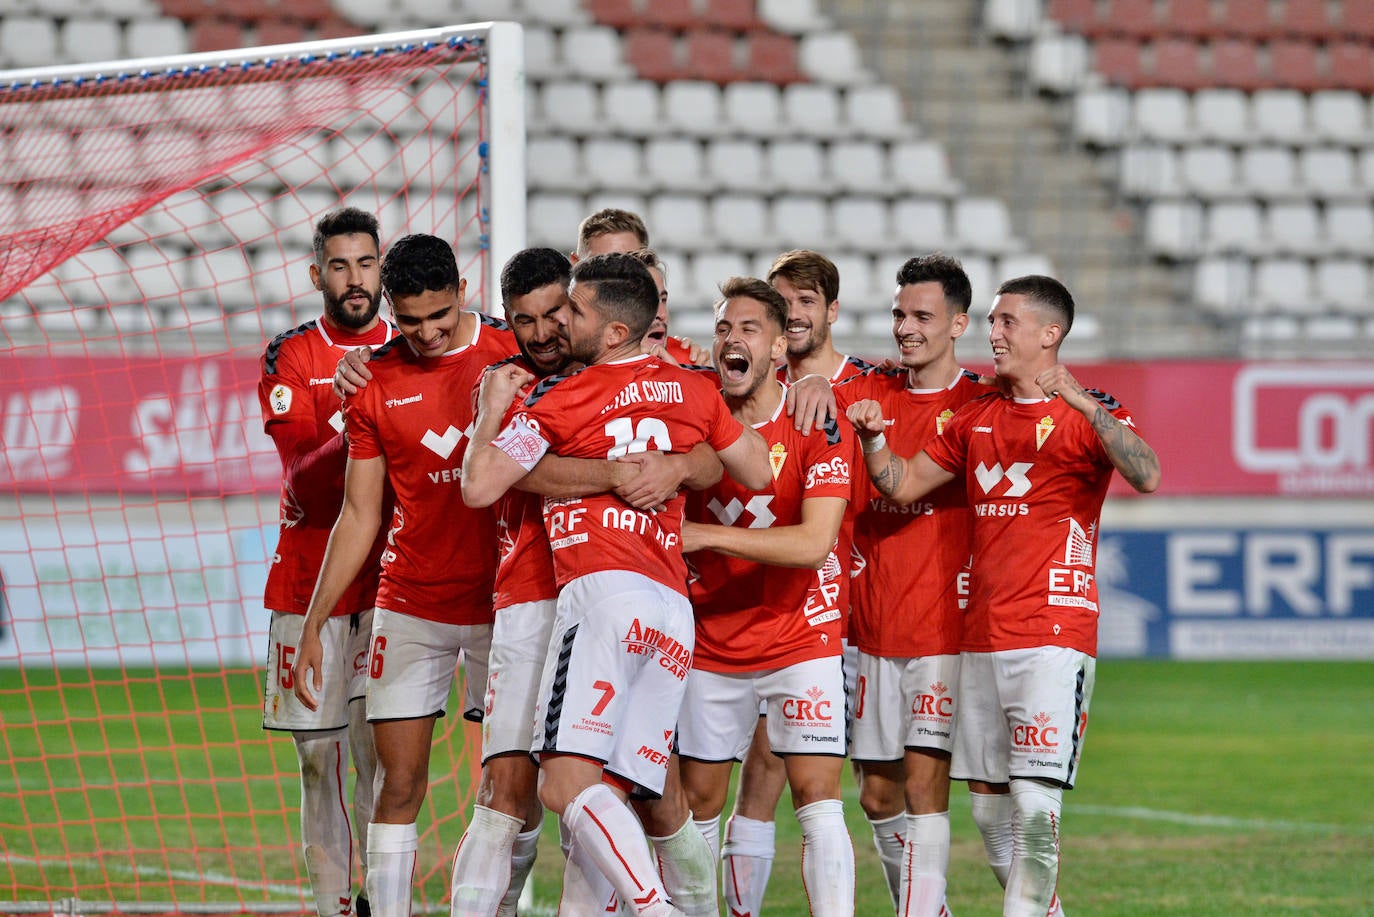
pixel 654 568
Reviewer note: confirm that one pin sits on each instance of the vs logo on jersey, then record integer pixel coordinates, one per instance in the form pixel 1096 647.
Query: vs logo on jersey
pixel 1018 483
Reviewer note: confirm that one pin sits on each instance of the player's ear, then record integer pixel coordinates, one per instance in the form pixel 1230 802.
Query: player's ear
pixel 960 324
pixel 1051 335
pixel 315 279
pixel 462 291
pixel 779 347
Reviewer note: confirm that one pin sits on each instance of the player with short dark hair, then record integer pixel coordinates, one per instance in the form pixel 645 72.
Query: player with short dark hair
pixel 766 597
pixel 306 424
pixel 622 638
pixel 907 617
pixel 434 600
pixel 1035 461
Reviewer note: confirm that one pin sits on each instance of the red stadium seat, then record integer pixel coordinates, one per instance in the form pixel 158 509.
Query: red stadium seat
pixel 1118 61
pixel 1293 65
pixel 738 15
pixel 678 15
pixel 653 54
pixel 1247 19
pixel 1357 19
pixel 337 27
pixel 1190 18
pixel 1131 18
pixel 1178 62
pixel 215 35
pixel 711 56
pixel 1350 65
pixel 1235 65
pixel 618 14
pixel 1306 19
pixel 1074 15
pixel 771 57
pixel 279 32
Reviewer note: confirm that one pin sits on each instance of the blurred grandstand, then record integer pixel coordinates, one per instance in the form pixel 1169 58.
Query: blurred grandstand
pixel 1200 173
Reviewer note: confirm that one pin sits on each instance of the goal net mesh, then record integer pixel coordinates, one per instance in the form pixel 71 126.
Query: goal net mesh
pixel 155 229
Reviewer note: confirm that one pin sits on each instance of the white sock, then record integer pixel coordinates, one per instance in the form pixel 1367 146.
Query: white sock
pixel 827 858
pixel 611 836
pixel 992 815
pixel 747 861
pixel 889 839
pixel 710 829
pixel 522 855
pixel 390 868
pixel 925 864
pixel 326 834
pixel 1035 854
pixel 363 749
pixel 1056 907
pixel 688 870
pixel 481 864
pixel 585 889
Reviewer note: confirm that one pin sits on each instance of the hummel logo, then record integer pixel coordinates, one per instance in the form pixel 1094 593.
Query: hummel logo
pixel 442 446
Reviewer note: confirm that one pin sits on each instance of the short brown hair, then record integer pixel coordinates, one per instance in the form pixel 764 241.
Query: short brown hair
pixel 1045 292
pixel 808 270
pixel 609 220
pixel 649 258
pixel 754 288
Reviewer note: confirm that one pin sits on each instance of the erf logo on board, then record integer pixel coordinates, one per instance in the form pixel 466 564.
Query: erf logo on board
pixel 1310 425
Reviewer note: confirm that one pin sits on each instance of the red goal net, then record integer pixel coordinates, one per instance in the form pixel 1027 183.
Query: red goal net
pixel 155 229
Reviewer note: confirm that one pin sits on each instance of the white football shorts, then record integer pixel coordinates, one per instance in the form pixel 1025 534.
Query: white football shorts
pixel 1022 713
pixel 413 662
pixel 904 703
pixel 344 639
pixel 519 645
pixel 613 680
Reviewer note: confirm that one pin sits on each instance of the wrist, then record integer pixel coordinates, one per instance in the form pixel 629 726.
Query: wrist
pixel 872 444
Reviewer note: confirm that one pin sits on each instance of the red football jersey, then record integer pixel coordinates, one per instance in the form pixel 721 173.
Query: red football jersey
pixel 440 559
pixel 912 591
pixel 601 412
pixel 753 616
pixel 677 350
pixel 524 572
pixel 849 367
pixel 1035 474
pixel 304 418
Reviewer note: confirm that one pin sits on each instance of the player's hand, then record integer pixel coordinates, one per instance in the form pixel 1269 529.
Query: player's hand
pixel 867 418
pixel 1058 381
pixel 657 349
pixel 352 375
pixel 307 671
pixel 499 387
pixel 887 365
pixel 656 479
pixel 699 355
pixel 810 402
pixel 694 536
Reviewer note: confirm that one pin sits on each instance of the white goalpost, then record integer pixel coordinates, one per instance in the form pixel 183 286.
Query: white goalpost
pixel 155 227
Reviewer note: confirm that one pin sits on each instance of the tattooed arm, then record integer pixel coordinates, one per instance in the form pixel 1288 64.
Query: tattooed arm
pixel 899 479
pixel 1130 454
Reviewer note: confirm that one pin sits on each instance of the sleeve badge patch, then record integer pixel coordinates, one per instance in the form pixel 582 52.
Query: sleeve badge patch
pixel 280 399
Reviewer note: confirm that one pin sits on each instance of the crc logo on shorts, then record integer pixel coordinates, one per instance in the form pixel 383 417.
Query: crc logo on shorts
pixel 650 641
pixel 812 710
pixel 934 704
pixel 1038 736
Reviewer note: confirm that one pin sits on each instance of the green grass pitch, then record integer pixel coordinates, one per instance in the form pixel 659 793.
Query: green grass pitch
pixel 1206 789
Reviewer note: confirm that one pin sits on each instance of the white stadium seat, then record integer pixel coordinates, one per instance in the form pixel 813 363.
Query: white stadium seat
pixel 832 57
pixel 1209 171
pixel 1343 283
pixel 1162 114
pixel 1284 284
pixel 753 109
pixel 920 224
pixel 1149 170
pixel 1020 265
pixel 613 162
pixel 678 221
pixel 812 109
pixel 674 163
pixel 1268 171
pixel 740 221
pixel 801 221
pixel 28 41
pixel 1173 228
pixel 541 54
pixel 1234 226
pixel 552 219
pixel 857 289
pixel 707 271
pixel 1222 115
pixel 982 224
pixel 1293 227
pixel 858 165
pixel 161 36
pixel 570 107
pixel 1059 63
pixel 693 107
pixel 1350 228
pixel 1339 116
pixel 594 53
pixel 793 16
pixel 552 12
pixel 861 223
pixel 1327 172
pixel 1101 116
pixel 633 107
pixel 1279 115
pixel 736 164
pixel 922 167
pixel 1012 20
pixel 796 165
pixel 876 111
pixel 85 40
pixel 1222 282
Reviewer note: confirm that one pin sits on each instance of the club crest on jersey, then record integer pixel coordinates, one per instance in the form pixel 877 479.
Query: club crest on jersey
pixel 943 419
pixel 1043 428
pixel 280 399
pixel 777 456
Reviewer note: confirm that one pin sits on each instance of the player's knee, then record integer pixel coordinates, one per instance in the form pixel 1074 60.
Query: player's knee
pixel 509 785
pixel 1037 808
pixel 879 798
pixel 318 754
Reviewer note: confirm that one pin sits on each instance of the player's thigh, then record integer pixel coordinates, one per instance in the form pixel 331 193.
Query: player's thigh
pixel 475 640
pixel 519 646
pixel 718 715
pixel 281 708
pixel 411 666
pixel 806 708
pixel 1046 692
pixel 877 720
pixel 982 744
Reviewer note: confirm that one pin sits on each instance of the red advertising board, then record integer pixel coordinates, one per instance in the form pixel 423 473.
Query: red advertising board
pixel 192 425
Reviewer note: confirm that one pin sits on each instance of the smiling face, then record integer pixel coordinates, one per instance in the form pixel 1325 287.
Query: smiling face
pixel 536 319
pixel 429 320
pixel 746 346
pixel 1023 337
pixel 924 324
pixel 349 275
pixel 809 317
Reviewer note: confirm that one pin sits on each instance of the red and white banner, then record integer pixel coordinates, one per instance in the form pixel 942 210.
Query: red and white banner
pixel 191 425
